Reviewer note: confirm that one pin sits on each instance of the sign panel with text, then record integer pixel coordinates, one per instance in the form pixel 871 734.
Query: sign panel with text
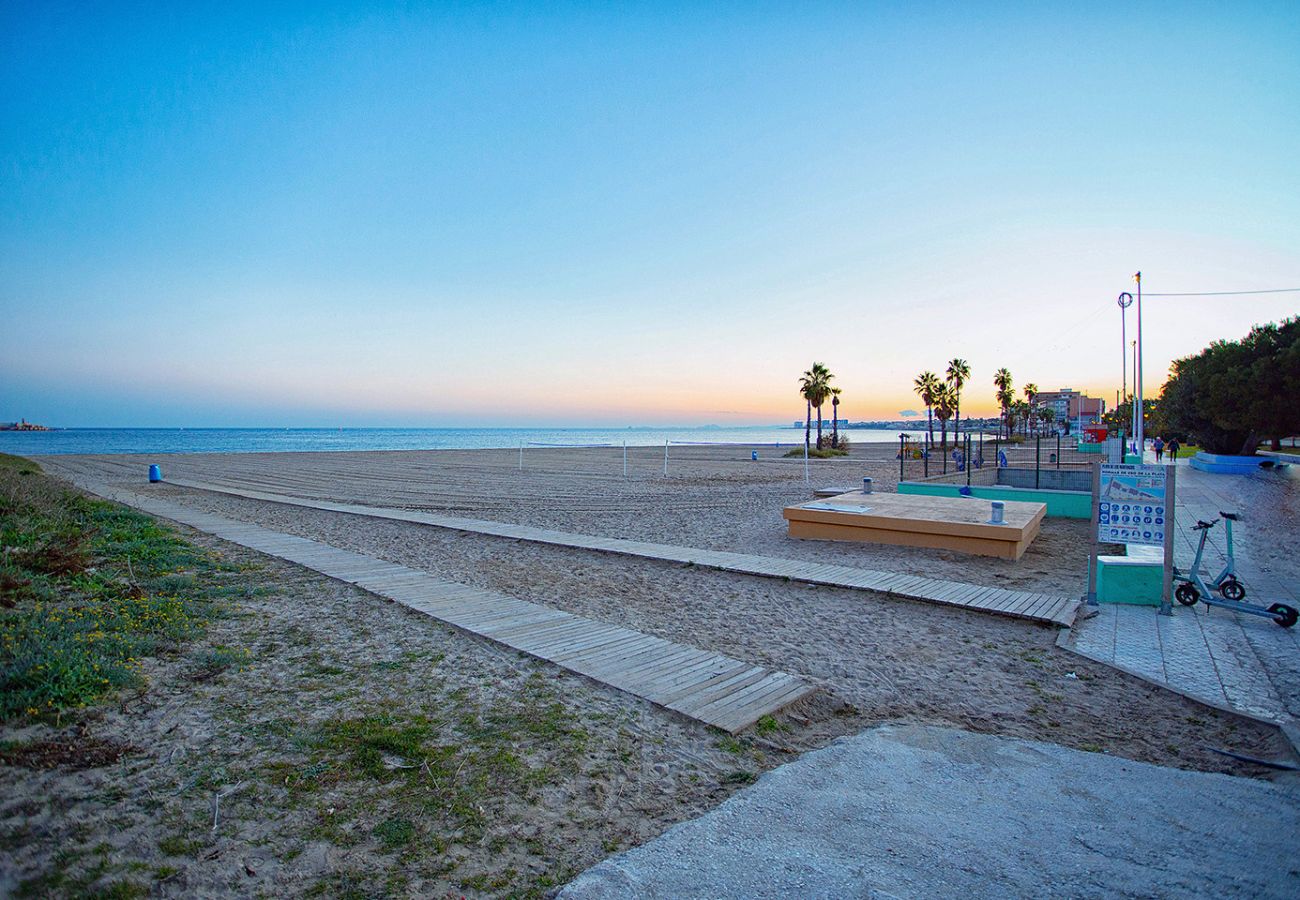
pixel 1131 507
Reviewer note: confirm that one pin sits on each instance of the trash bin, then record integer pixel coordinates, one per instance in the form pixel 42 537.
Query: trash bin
pixel 155 474
pixel 753 454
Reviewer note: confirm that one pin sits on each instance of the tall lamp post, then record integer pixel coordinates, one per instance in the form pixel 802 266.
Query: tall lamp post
pixel 1125 301
pixel 1140 430
pixel 1133 409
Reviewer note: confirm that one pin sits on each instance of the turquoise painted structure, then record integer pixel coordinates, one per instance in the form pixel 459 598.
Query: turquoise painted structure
pixel 1132 459
pixel 1221 464
pixel 1060 504
pixel 1090 448
pixel 1128 579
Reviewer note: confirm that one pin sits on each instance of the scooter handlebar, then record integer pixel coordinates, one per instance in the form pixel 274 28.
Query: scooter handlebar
pixel 1201 526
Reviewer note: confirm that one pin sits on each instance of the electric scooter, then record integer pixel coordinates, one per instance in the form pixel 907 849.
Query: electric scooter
pixel 1226 582
pixel 1192 586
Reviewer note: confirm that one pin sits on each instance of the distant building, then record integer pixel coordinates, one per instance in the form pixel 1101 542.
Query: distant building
pixel 826 423
pixel 1072 405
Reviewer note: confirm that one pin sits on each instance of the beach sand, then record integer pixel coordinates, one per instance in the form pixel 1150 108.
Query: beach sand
pixel 889 659
pixel 321 651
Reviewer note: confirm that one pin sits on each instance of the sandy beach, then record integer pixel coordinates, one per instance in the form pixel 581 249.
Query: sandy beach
pixel 887 659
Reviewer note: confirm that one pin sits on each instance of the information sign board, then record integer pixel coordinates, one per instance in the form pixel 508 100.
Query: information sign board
pixel 1131 504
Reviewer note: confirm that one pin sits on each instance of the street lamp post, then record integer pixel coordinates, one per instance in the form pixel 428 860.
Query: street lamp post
pixel 1125 301
pixel 1140 430
pixel 1133 410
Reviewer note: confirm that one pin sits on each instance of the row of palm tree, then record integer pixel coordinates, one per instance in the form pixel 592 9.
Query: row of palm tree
pixel 815 387
pixel 942 398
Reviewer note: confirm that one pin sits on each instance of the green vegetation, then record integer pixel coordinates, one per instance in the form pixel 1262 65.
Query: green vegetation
pixel 1235 394
pixel 817 452
pixel 87 590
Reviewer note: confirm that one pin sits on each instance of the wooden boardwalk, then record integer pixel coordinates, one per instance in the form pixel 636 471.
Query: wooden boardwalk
pixel 1046 608
pixel 709 687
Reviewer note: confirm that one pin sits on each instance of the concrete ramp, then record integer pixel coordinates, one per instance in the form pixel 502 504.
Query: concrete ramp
pixel 915 811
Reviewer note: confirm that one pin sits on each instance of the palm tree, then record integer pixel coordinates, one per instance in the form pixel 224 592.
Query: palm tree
pixel 814 389
pixel 1030 391
pixel 835 418
pixel 926 385
pixel 807 390
pixel 824 377
pixel 1048 415
pixel 1002 381
pixel 944 403
pixel 958 375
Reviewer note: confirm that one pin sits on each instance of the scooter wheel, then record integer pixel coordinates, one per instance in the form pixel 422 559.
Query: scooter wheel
pixel 1233 590
pixel 1187 595
pixel 1284 615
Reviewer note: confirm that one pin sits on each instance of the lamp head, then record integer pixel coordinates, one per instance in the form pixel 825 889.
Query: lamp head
pixel 1125 300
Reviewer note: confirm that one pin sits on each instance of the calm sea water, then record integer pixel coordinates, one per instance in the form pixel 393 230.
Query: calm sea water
pixel 262 440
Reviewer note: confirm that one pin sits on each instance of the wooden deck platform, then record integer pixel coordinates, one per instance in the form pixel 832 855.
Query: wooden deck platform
pixel 916 520
pixel 708 687
pixel 1052 609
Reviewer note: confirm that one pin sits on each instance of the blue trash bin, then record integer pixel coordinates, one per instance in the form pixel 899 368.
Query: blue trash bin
pixel 753 454
pixel 155 474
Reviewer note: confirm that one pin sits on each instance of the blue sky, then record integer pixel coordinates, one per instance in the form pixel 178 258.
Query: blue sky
pixel 626 213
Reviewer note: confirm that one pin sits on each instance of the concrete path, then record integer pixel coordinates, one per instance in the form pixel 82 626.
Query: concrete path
pixel 1047 608
pixel 1240 662
pixel 699 684
pixel 913 811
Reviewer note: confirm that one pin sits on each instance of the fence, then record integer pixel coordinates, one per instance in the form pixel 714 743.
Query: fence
pixel 974 458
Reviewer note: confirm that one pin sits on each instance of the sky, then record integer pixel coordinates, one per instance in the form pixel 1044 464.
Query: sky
pixel 625 213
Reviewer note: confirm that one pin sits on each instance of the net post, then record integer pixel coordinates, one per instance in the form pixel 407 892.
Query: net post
pixel 521 456
pixel 966 452
pixel 1090 598
pixel 806 476
pixel 1038 459
pixel 1171 514
pixel 624 459
pixel 665 459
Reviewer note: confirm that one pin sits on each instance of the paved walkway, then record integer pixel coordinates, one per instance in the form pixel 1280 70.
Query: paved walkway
pixel 1047 608
pixel 916 811
pixel 1240 662
pixel 705 686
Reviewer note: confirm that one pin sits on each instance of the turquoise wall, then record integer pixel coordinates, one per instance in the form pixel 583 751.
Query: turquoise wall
pixel 1061 504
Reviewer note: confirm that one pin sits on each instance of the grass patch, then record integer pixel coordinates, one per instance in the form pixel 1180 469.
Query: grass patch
pixel 88 589
pixel 816 453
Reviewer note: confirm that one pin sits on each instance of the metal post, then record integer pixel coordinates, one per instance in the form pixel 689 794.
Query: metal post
pixel 966 452
pixel 625 459
pixel 926 462
pixel 1090 597
pixel 1140 431
pixel 1058 449
pixel 806 477
pixel 902 446
pixel 665 459
pixel 1133 402
pixel 1038 459
pixel 1167 577
pixel 521 456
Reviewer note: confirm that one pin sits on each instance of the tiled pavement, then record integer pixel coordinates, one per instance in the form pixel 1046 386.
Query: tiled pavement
pixel 1242 662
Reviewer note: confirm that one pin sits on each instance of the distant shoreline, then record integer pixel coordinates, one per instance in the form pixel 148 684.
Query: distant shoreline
pixel 96 441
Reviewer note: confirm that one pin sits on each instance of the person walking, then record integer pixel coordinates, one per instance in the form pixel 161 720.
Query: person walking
pixel 1173 450
pixel 1158 445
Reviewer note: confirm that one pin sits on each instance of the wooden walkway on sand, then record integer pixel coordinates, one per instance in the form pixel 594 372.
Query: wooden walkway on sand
pixel 709 687
pixel 1047 608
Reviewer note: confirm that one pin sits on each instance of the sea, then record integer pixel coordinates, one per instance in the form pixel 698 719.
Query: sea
pixel 275 440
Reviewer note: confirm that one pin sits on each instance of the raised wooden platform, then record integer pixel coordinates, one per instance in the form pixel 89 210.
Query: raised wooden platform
pixel 914 520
